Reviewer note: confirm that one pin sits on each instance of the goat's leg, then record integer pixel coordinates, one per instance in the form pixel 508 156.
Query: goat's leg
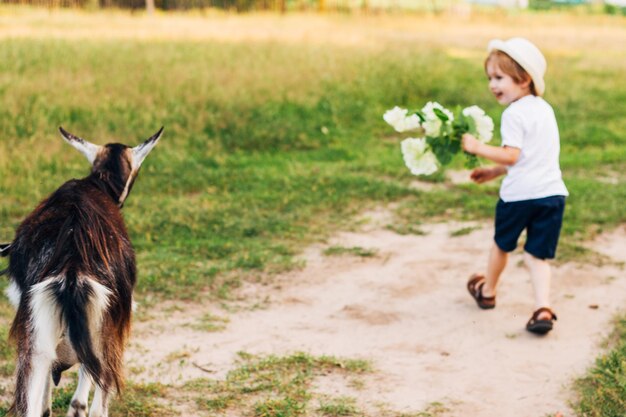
pixel 38 385
pixel 78 406
pixel 100 403
pixel 39 335
pixel 47 398
pixel 30 392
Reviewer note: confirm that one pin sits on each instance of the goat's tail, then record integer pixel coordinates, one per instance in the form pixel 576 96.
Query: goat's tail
pixel 83 301
pixel 58 304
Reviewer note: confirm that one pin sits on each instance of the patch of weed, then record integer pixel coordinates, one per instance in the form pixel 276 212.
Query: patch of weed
pixel 337 407
pixel 271 386
pixel 354 250
pixel 434 409
pixel 406 229
pixel 210 323
pixel 463 231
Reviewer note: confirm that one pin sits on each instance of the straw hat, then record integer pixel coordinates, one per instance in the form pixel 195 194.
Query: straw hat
pixel 527 55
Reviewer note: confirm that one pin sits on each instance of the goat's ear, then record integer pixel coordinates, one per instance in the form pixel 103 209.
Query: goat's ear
pixel 88 149
pixel 141 151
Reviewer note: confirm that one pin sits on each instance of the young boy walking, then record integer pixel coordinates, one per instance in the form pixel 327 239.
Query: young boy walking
pixel 532 195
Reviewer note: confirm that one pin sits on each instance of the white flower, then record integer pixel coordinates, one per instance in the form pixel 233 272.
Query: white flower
pixel 432 127
pixel 412 122
pixel 432 124
pixel 397 118
pixel 418 157
pixel 484 123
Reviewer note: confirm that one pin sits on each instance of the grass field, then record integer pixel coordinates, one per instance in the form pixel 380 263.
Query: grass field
pixel 273 129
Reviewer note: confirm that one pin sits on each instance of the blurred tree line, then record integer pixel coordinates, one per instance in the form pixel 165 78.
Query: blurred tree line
pixel 235 5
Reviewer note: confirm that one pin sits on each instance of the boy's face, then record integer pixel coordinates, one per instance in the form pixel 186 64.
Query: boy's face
pixel 503 87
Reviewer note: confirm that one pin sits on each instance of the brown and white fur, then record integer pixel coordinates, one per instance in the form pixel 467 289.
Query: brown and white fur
pixel 72 273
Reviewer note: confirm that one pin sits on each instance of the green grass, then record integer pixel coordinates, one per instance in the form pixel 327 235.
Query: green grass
pixel 602 392
pixel 272 386
pixel 137 400
pixel 338 407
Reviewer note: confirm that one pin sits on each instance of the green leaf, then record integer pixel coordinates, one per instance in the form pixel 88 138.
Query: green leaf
pixel 441 115
pixel 460 126
pixel 441 147
pixel 454 147
pixel 420 115
pixel 471 123
pixel 471 161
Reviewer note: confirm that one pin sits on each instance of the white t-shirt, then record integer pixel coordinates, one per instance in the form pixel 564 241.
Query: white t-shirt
pixel 530 125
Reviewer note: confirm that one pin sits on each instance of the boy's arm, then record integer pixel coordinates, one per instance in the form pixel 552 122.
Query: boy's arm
pixel 480 175
pixel 506 155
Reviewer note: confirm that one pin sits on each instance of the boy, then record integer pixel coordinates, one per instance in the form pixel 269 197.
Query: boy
pixel 532 195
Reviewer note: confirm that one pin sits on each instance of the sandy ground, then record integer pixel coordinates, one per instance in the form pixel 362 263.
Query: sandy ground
pixel 407 310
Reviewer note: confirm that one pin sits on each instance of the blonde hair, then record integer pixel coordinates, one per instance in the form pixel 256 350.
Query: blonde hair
pixel 510 67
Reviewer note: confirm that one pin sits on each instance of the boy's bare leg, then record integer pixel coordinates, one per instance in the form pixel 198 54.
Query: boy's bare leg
pixel 540 276
pixel 497 261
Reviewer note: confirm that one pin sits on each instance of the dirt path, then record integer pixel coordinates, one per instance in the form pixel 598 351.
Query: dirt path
pixel 407 310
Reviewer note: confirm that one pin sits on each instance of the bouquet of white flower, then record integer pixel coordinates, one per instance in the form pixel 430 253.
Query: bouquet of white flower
pixel 441 133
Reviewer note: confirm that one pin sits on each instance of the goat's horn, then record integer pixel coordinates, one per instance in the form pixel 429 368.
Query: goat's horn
pixel 141 151
pixel 86 148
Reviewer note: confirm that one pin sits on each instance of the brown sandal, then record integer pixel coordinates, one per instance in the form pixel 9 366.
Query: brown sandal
pixel 537 326
pixel 475 288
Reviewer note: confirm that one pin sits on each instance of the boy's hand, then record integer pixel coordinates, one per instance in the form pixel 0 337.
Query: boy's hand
pixel 480 175
pixel 469 143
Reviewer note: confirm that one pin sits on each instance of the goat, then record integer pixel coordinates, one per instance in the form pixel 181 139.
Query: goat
pixel 72 273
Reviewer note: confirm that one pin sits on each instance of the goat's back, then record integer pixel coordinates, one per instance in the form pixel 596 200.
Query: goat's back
pixel 80 229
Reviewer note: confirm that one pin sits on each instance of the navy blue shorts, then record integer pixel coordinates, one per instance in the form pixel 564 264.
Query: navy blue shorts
pixel 541 218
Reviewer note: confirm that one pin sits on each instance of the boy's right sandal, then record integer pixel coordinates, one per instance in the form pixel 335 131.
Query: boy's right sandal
pixel 543 326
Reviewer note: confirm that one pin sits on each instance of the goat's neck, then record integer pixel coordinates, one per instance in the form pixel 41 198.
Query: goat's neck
pixel 110 184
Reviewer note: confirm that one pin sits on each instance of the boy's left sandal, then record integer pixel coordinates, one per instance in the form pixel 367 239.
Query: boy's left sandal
pixel 475 288
pixel 543 326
